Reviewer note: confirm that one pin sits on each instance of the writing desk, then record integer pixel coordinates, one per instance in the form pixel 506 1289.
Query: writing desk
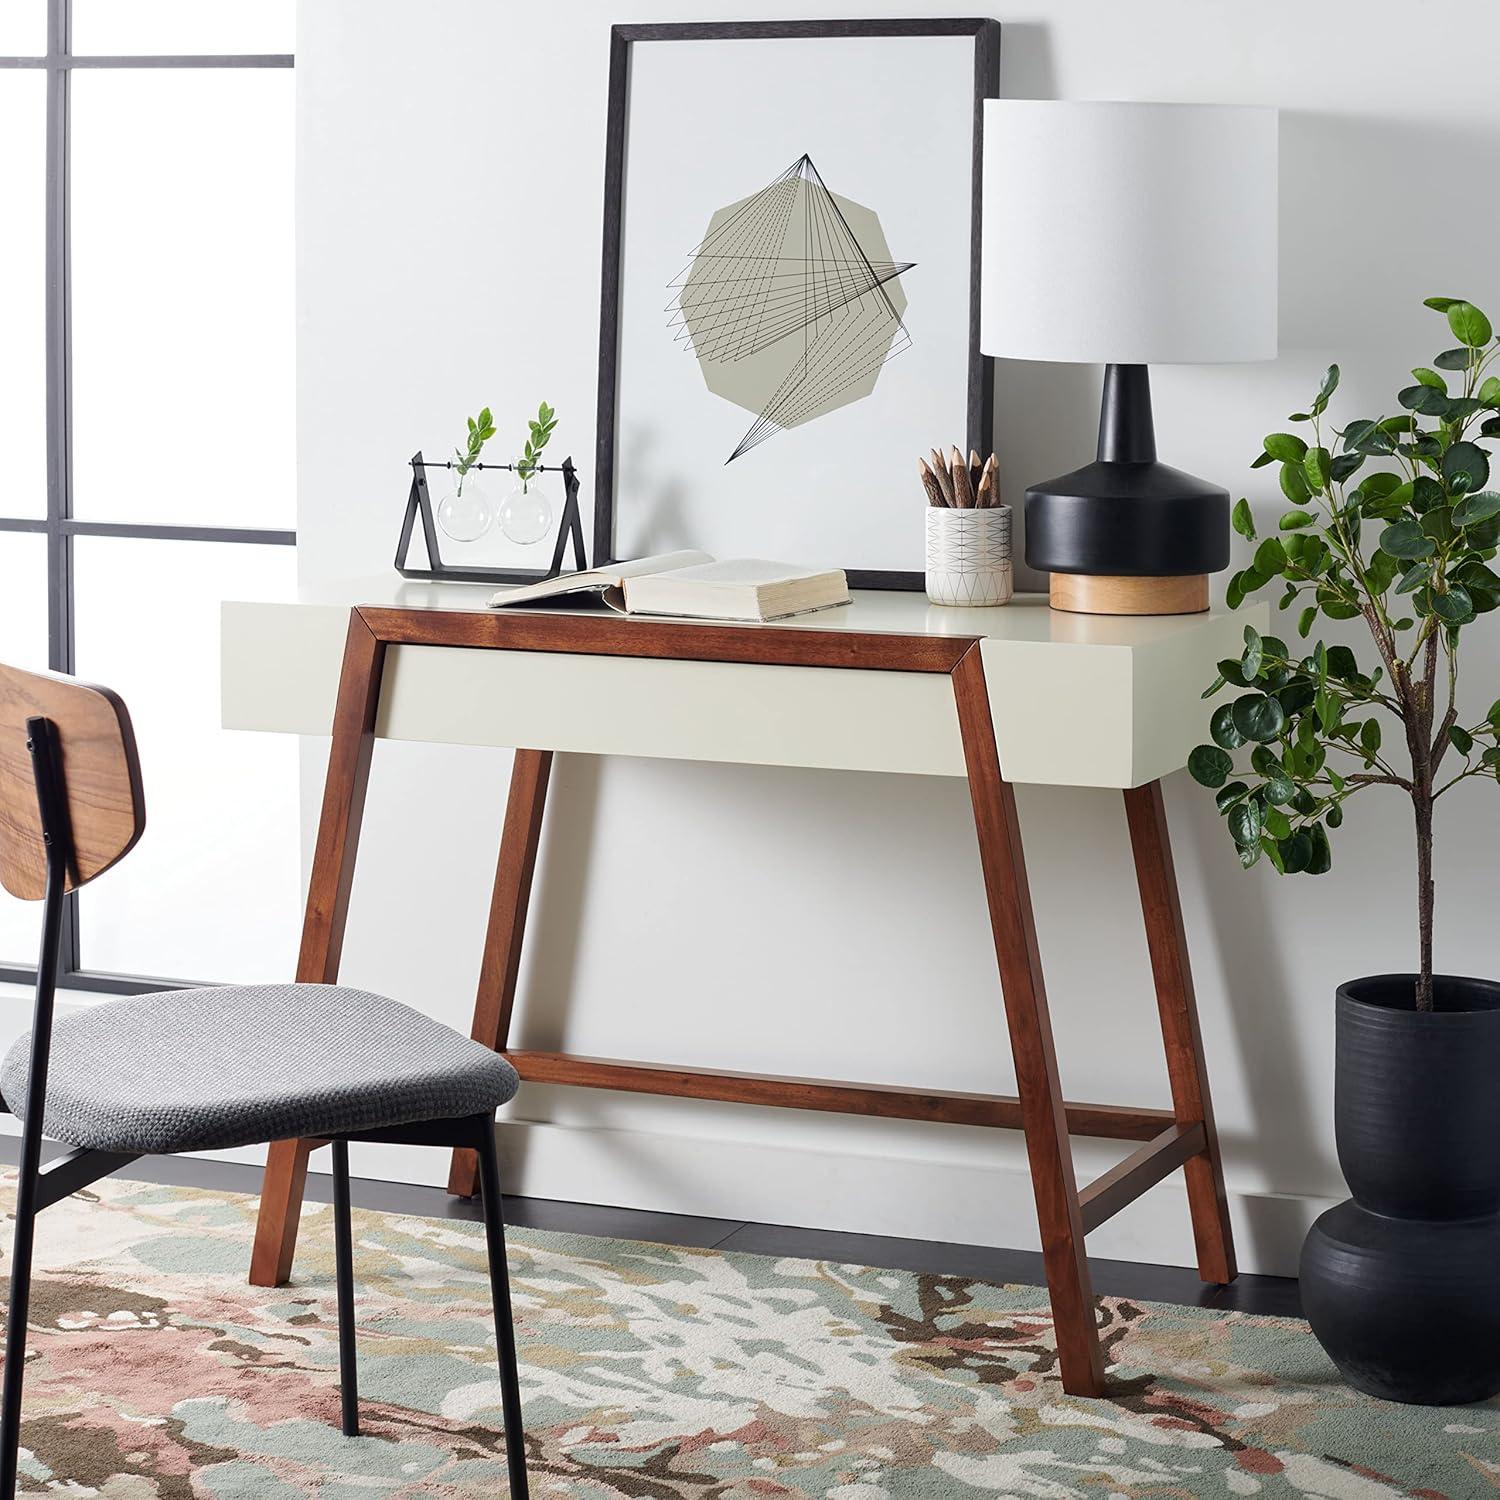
pixel 887 683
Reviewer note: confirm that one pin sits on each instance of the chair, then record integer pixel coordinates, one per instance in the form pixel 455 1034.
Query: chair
pixel 203 1069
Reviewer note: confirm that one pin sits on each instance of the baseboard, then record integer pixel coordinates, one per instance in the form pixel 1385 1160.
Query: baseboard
pixel 917 1198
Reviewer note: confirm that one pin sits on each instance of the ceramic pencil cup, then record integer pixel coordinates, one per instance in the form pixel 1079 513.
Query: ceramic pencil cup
pixel 968 555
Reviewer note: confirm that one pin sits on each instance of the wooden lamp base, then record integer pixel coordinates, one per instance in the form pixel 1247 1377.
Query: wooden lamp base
pixel 1098 594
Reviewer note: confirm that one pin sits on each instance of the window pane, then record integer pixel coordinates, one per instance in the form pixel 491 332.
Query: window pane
pixel 132 27
pixel 23 28
pixel 23 291
pixel 212 892
pixel 182 296
pixel 23 643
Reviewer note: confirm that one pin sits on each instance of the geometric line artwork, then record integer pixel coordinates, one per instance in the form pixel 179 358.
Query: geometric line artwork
pixel 790 303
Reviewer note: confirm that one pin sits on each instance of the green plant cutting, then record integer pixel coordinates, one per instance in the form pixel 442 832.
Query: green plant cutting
pixel 540 430
pixel 1388 521
pixel 481 429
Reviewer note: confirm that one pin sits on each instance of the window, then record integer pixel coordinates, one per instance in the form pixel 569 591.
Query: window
pixel 146 437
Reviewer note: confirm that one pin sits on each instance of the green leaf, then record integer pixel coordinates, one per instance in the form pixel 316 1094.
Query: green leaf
pixel 1328 708
pixel 1466 462
pixel 1277 824
pixel 1342 663
pixel 1335 815
pixel 1426 400
pixel 1329 386
pixel 1258 716
pixel 1280 789
pixel 1210 766
pixel 1406 539
pixel 1477 506
pixel 1430 377
pixel 1494 715
pixel 1286 446
pixel 1426 492
pixel 1369 738
pixel 1227 796
pixel 1320 860
pixel 1242 521
pixel 1461 739
pixel 1270 557
pixel 1455 359
pixel 1294 520
pixel 1250 662
pixel 1454 607
pixel 1294 483
pixel 1249 853
pixel 1296 852
pixel 1265 760
pixel 1244 822
pixel 1442 304
pixel 1221 727
pixel 1414 578
pixel 1316 467
pixel 1489 391
pixel 1469 325
pixel 1305 620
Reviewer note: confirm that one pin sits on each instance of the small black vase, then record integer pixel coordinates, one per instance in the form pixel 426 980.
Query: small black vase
pixel 1401 1284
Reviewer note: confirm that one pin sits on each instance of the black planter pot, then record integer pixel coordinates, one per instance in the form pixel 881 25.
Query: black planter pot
pixel 1402 1283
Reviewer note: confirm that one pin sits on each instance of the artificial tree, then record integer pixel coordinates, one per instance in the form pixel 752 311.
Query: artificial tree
pixel 1389 522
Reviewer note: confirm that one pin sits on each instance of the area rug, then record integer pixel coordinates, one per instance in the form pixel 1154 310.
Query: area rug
pixel 655 1372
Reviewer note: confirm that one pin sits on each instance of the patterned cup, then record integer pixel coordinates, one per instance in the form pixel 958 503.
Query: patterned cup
pixel 968 555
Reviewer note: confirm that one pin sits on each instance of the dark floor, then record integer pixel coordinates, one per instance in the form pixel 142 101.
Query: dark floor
pixel 1115 1278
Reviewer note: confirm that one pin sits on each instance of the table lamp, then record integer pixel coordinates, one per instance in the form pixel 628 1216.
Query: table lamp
pixel 1128 235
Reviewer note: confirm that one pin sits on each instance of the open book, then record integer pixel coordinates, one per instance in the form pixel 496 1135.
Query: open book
pixel 692 585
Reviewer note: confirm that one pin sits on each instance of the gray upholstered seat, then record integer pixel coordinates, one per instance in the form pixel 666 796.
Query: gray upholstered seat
pixel 199 1070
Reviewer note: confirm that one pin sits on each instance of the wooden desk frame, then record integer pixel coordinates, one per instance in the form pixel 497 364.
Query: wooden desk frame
pixel 1183 1136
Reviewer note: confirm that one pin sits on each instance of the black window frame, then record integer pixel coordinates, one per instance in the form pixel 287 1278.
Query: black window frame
pixel 59 525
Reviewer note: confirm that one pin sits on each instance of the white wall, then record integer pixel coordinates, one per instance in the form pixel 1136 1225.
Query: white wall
pixel 832 925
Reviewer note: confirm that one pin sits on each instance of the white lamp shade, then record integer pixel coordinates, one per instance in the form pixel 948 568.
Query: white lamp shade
pixel 1129 233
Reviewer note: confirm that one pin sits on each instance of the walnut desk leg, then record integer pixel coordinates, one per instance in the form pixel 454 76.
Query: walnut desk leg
pixel 1043 1112
pixel 1166 938
pixel 324 920
pixel 496 998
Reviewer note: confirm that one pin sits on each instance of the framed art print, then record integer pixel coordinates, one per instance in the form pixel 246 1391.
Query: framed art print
pixel 790 307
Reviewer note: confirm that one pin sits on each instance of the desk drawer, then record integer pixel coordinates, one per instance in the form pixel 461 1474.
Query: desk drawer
pixel 281 671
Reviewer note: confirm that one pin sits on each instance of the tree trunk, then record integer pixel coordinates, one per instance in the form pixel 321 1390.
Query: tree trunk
pixel 1422 800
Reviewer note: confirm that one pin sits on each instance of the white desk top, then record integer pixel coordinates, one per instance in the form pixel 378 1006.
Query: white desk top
pixel 1026 618
pixel 1077 700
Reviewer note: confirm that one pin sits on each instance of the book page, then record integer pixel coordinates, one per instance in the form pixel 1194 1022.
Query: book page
pixel 596 580
pixel 744 570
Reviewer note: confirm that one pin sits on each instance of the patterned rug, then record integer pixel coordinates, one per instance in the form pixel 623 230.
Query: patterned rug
pixel 655 1373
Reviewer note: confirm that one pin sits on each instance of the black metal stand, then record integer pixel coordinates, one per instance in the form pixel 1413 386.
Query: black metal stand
pixel 419 504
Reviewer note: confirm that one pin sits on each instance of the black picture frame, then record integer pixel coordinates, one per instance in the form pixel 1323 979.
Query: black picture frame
pixel 979 419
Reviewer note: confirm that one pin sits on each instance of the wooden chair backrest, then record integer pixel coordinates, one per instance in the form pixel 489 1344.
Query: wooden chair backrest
pixel 101 775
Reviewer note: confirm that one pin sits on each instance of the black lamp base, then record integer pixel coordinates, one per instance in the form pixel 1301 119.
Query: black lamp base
pixel 1127 516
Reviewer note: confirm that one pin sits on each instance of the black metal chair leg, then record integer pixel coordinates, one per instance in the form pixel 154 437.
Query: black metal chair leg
pixel 505 1332
pixel 20 1305
pixel 343 1237
pixel 40 743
